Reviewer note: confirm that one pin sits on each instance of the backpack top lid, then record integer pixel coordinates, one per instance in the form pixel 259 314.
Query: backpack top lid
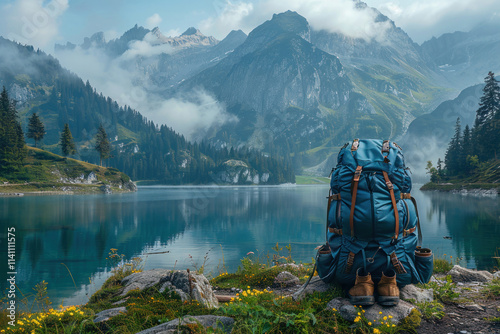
pixel 376 155
pixel 372 155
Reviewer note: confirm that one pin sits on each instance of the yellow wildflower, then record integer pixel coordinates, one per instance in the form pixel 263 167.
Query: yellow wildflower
pixel 376 331
pixel 390 317
pixel 369 323
pixel 385 318
pixel 380 312
pixel 357 319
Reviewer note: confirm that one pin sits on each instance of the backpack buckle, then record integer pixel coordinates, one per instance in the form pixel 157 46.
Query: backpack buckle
pixel 386 147
pixel 355 144
pixel 357 173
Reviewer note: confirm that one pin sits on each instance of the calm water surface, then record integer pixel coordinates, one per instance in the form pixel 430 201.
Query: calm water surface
pixel 221 224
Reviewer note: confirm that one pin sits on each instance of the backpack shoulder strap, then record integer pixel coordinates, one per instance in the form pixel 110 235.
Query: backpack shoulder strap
pixel 390 186
pixel 354 190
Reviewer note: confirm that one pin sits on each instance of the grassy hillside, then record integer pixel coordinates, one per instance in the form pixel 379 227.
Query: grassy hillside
pixel 486 176
pixel 44 171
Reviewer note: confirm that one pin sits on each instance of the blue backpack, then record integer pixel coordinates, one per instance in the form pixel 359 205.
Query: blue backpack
pixel 372 219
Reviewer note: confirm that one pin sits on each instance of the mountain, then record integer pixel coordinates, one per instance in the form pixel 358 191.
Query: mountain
pixel 192 37
pixel 172 60
pixel 428 135
pixel 466 57
pixel 389 69
pixel 279 86
pixel 142 149
pixel 310 91
pixel 304 92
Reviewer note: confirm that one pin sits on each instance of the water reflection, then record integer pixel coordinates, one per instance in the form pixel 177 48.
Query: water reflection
pixel 226 222
pixel 473 223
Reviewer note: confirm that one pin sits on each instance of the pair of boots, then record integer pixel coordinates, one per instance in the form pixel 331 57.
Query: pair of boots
pixel 362 291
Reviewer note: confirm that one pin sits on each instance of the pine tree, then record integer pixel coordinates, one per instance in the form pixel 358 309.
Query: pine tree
pixel 36 129
pixel 454 152
pixel 490 101
pixel 12 149
pixel 67 143
pixel 102 144
pixel 487 125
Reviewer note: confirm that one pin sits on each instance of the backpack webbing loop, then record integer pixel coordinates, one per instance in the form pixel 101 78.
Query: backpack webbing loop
pixel 357 176
pixel 390 186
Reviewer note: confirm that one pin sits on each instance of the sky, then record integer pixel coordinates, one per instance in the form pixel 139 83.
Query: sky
pixel 45 22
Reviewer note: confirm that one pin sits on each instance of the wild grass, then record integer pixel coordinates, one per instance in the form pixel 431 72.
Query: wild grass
pixel 254 309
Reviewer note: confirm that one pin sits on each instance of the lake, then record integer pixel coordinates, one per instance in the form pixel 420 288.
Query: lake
pixel 61 238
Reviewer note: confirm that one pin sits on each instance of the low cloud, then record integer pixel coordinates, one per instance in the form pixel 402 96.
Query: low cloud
pixel 148 47
pixel 192 114
pixel 230 16
pixel 340 16
pixel 34 22
pixel 153 21
pixel 427 18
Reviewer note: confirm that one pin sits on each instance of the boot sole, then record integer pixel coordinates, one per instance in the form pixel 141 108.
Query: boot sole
pixel 362 300
pixel 388 301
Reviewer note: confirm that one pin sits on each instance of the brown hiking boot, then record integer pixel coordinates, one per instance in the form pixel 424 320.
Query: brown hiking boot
pixel 388 292
pixel 362 291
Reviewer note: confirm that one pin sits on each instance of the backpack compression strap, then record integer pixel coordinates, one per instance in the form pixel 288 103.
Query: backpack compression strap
pixel 418 223
pixel 390 186
pixel 357 175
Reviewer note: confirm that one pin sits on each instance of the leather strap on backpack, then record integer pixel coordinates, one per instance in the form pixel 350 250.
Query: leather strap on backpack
pixel 332 197
pixel 398 266
pixel 390 186
pixel 350 262
pixel 419 243
pixel 355 181
pixel 335 230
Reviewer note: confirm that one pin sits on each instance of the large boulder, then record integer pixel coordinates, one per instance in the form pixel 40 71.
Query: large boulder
pixel 188 286
pixel 108 314
pixel 286 279
pixel 460 274
pixel 419 295
pixel 315 285
pixel 224 323
pixel 143 280
pixel 375 313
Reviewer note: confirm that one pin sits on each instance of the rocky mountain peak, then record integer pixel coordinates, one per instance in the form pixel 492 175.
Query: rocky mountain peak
pixel 96 39
pixel 191 31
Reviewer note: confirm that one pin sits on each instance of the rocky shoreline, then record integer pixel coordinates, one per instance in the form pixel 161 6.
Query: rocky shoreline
pixel 271 299
pixel 467 314
pixel 468 189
